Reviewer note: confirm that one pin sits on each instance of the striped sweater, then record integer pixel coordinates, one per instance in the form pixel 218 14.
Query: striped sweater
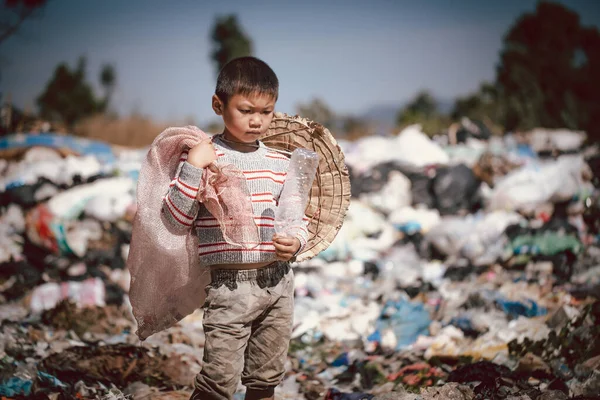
pixel 265 172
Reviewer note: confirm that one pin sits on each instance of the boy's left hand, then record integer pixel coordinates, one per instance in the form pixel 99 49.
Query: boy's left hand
pixel 285 247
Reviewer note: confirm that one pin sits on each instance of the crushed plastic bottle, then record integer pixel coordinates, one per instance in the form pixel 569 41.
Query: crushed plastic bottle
pixel 295 192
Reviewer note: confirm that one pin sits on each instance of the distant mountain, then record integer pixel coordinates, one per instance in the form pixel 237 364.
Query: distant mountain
pixel 384 115
pixel 445 105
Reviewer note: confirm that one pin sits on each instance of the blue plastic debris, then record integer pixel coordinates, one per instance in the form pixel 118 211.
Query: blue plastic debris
pixel 48 380
pixel 408 320
pixel 82 146
pixel 15 387
pixel 334 394
pixel 341 360
pixel 464 324
pixel 374 337
pixel 527 308
pixel 524 150
pixel 409 228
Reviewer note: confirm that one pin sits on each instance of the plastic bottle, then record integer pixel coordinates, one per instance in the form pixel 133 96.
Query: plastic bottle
pixel 295 192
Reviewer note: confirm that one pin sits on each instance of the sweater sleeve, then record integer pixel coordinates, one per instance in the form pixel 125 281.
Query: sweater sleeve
pixel 302 234
pixel 180 205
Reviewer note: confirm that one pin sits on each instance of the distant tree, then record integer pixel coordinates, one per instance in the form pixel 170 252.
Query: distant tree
pixel 484 104
pixel 355 127
pixel 108 80
pixel 316 110
pixel 423 109
pixel 548 71
pixel 69 98
pixel 229 41
pixel 14 13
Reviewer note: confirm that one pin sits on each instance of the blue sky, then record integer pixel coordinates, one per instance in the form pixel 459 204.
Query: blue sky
pixel 352 54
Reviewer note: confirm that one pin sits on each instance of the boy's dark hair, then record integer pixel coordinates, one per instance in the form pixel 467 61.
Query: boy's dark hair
pixel 246 75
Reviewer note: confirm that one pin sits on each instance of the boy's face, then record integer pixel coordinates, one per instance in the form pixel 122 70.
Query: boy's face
pixel 246 118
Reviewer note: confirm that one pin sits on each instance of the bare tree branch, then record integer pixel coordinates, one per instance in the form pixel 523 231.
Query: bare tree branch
pixel 27 12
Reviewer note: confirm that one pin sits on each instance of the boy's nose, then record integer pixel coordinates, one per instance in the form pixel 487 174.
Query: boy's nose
pixel 255 122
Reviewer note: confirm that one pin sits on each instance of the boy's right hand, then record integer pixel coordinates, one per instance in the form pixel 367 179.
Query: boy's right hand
pixel 202 154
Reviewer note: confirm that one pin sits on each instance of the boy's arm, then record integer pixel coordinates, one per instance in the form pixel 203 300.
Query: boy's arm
pixel 180 206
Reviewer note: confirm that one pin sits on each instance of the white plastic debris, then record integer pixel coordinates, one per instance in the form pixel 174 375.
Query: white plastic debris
pixel 556 139
pixel 393 196
pixel 113 192
pixel 79 233
pixel 46 165
pixel 12 225
pixel 476 237
pixel 526 188
pixel 417 149
pixel 411 146
pixel 90 292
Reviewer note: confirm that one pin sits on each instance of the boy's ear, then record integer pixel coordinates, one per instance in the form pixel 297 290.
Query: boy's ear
pixel 217 105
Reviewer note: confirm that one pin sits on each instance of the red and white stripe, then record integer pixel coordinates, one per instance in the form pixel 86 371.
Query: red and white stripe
pixel 302 240
pixel 277 156
pixel 179 215
pixel 266 197
pixel 277 177
pixel 185 189
pixel 220 247
pixel 210 222
pixel 207 222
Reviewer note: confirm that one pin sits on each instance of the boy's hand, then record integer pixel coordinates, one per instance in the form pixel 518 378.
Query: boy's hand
pixel 202 154
pixel 285 247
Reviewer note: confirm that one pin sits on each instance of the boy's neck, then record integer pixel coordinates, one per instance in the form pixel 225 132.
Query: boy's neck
pixel 240 146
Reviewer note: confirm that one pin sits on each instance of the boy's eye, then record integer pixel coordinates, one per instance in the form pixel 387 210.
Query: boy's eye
pixel 245 111
pixel 267 112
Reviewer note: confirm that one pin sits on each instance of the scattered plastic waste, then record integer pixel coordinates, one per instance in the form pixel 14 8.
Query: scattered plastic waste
pixel 462 271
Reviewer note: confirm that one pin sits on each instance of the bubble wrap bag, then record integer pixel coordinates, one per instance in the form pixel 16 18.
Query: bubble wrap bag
pixel 167 282
pixel 295 192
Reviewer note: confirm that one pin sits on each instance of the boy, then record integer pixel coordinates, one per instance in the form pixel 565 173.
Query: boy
pixel 248 310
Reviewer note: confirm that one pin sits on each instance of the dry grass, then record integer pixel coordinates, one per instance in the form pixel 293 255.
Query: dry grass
pixel 140 131
pixel 132 131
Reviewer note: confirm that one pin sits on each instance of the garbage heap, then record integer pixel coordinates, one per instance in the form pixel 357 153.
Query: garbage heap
pixel 463 271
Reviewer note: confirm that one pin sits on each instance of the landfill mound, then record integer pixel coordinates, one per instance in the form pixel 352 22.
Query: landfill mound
pixel 463 271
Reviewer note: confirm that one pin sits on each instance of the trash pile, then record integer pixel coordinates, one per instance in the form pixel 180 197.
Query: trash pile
pixel 463 271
